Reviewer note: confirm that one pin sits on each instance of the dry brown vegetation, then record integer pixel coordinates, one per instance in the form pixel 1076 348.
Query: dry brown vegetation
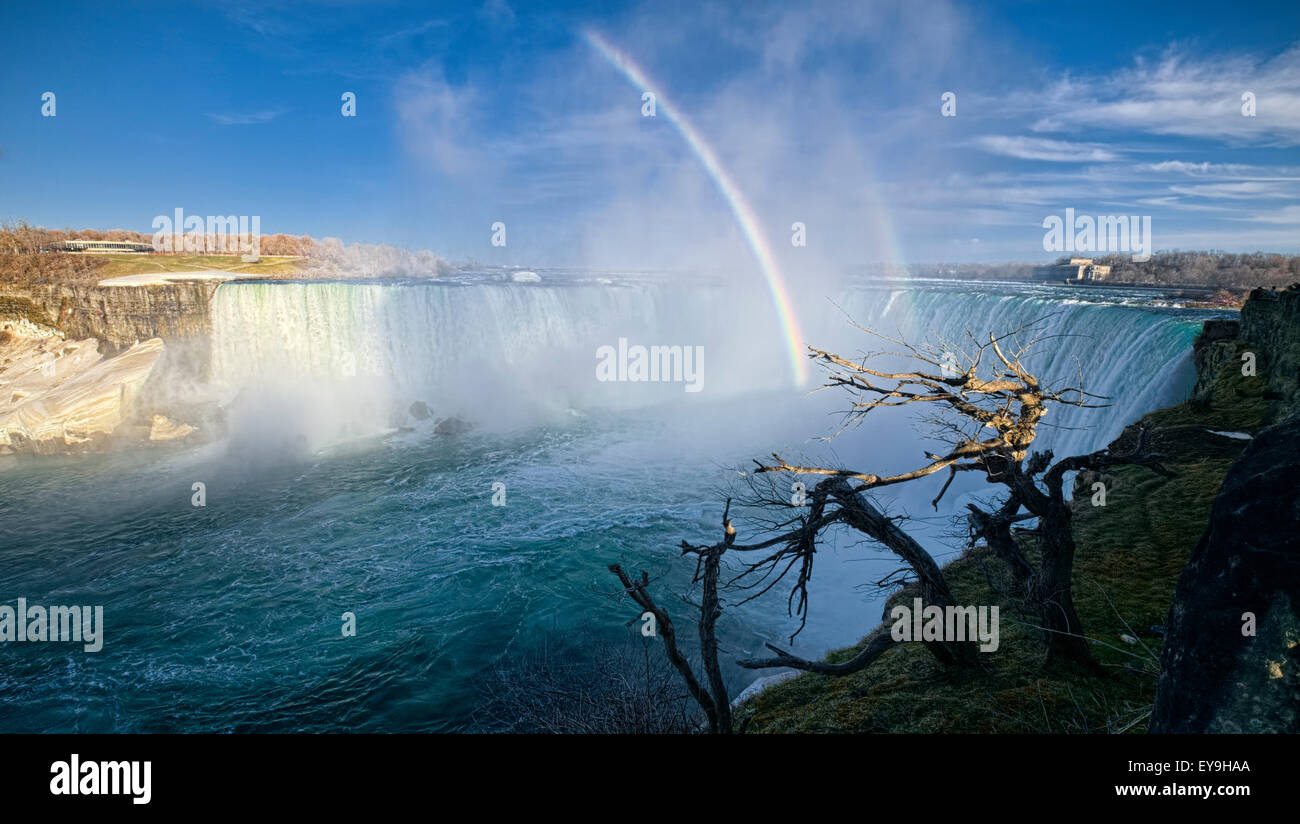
pixel 23 263
pixel 1206 269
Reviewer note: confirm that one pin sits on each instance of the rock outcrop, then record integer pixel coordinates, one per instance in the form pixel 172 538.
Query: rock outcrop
pixel 120 315
pixel 1268 335
pixel 95 338
pixel 161 428
pixel 452 426
pixel 1270 320
pixel 58 395
pixel 1231 659
pixel 1215 348
pixel 420 411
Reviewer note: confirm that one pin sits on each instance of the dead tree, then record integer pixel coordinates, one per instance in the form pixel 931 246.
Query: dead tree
pixel 712 699
pixel 1050 587
pixel 987 407
pixel 834 501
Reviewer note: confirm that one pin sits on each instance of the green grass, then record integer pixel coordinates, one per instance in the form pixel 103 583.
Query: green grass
pixel 120 265
pixel 1129 555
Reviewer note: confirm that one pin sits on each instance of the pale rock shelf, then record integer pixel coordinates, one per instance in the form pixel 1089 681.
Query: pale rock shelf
pixel 59 393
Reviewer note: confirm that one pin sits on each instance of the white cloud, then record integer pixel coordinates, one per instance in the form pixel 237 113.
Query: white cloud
pixel 1196 169
pixel 1040 148
pixel 863 158
pixel 1172 202
pixel 1240 190
pixel 437 121
pixel 1189 95
pixel 403 36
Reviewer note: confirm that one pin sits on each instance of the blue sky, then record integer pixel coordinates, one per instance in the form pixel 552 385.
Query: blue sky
pixel 827 114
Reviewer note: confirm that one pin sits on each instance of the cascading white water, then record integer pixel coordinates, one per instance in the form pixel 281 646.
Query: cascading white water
pixel 359 350
pixel 1138 357
pixel 413 336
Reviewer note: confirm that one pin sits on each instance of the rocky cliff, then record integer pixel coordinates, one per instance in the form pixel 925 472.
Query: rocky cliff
pixel 1231 662
pixel 1231 658
pixel 89 366
pixel 1270 320
pixel 1256 358
pixel 119 316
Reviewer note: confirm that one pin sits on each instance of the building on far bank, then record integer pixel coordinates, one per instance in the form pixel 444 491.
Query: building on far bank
pixel 1080 269
pixel 101 247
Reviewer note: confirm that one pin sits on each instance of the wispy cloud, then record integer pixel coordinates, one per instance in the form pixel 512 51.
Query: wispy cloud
pixel 1196 169
pixel 438 121
pixel 258 20
pixel 1187 94
pixel 1240 190
pixel 403 35
pixel 245 118
pixel 1286 214
pixel 1041 148
pixel 1173 202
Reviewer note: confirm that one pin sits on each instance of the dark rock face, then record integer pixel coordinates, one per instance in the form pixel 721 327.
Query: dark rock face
pixel 1214 348
pixel 1216 329
pixel 1267 338
pixel 1270 323
pixel 420 411
pixel 452 426
pixel 1214 678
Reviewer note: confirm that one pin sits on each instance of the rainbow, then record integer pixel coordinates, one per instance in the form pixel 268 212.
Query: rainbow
pixel 744 213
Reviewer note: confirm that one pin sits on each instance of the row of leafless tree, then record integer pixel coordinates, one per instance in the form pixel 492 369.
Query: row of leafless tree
pixel 1210 268
pixel 20 237
pixel 1213 269
pixel 21 260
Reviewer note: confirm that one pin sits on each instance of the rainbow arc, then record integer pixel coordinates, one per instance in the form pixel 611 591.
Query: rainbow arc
pixel 745 216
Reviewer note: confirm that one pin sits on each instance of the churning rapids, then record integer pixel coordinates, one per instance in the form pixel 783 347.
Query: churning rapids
pixel 327 496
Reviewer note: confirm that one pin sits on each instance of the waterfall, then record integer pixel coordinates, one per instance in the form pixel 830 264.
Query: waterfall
pixel 367 350
pixel 414 336
pixel 1139 357
pixel 351 357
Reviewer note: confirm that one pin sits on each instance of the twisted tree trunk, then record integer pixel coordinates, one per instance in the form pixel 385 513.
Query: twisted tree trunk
pixel 1051 588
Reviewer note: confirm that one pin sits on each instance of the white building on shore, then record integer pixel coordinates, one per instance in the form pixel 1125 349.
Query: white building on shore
pixel 101 247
